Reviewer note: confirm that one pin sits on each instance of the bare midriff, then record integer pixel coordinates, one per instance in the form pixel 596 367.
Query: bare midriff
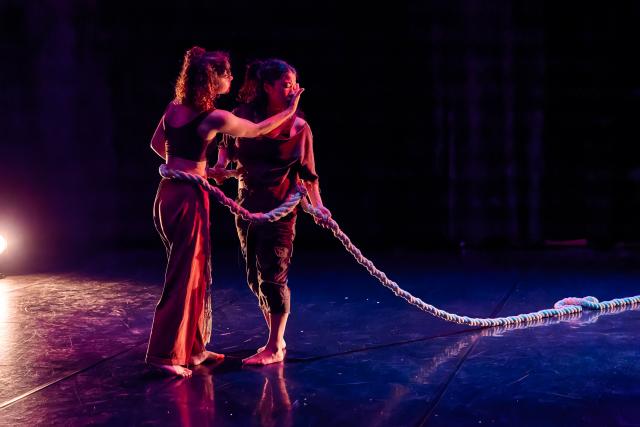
pixel 188 166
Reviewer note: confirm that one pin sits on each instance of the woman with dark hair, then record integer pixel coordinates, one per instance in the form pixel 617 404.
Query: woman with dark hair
pixel 269 168
pixel 182 320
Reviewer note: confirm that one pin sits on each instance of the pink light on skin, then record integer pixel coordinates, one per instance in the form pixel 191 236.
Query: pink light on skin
pixel 3 244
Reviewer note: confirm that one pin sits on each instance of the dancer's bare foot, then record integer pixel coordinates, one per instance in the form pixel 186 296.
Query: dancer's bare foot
pixel 176 370
pixel 206 356
pixel 274 350
pixel 265 357
pixel 284 347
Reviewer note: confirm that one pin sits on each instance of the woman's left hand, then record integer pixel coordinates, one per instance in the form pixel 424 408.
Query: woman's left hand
pixel 323 212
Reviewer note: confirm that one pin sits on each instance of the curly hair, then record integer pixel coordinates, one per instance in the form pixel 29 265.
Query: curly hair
pixel 257 74
pixel 199 81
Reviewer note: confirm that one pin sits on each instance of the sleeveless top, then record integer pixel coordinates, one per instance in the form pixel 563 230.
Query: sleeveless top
pixel 184 141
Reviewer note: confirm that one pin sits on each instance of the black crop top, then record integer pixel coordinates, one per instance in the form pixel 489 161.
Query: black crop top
pixel 184 141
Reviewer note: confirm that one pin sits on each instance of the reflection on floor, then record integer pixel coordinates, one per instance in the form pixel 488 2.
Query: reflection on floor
pixel 72 345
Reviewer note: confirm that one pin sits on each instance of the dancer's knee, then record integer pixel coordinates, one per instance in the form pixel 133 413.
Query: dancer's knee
pixel 277 297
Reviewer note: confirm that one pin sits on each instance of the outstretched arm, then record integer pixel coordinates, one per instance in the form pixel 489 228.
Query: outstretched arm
pixel 226 122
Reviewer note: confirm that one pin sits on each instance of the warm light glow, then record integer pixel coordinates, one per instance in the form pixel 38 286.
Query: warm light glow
pixel 3 244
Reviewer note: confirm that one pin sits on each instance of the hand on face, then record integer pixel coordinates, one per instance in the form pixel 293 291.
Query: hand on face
pixel 296 91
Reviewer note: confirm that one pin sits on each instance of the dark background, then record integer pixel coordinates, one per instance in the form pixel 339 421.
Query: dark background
pixel 488 124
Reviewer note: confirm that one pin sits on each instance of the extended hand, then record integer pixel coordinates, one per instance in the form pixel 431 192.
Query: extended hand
pixel 297 91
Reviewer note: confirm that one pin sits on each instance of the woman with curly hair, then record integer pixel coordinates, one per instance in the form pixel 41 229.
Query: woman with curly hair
pixel 182 320
pixel 269 169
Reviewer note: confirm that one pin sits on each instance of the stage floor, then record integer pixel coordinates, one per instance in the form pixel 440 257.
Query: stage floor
pixel 72 345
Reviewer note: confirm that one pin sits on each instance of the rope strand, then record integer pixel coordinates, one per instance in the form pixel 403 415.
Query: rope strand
pixel 273 215
pixel 564 307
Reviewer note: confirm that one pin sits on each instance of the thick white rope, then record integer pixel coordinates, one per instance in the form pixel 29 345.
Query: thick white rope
pixel 563 307
pixel 280 212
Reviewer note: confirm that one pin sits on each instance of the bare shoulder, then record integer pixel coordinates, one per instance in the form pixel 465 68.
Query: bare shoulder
pixel 178 114
pixel 174 107
pixel 171 107
pixel 220 113
pixel 218 118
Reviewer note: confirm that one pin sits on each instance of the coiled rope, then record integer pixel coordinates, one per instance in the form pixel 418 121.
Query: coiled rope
pixel 566 306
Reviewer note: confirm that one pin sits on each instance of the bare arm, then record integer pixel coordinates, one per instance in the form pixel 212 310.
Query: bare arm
pixel 226 122
pixel 313 191
pixel 311 182
pixel 158 140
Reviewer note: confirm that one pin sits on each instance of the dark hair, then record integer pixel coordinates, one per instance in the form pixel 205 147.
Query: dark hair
pixel 258 73
pixel 199 81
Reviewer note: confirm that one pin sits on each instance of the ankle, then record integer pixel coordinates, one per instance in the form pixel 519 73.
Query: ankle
pixel 275 347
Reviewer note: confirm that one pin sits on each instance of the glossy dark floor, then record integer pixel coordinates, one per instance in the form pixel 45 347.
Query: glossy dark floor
pixel 72 345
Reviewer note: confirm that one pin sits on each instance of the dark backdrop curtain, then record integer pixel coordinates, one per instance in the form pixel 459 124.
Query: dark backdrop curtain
pixel 530 108
pixel 488 122
pixel 488 70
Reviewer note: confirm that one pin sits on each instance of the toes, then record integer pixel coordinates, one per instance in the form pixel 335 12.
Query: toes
pixel 262 359
pixel 252 361
pixel 172 370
